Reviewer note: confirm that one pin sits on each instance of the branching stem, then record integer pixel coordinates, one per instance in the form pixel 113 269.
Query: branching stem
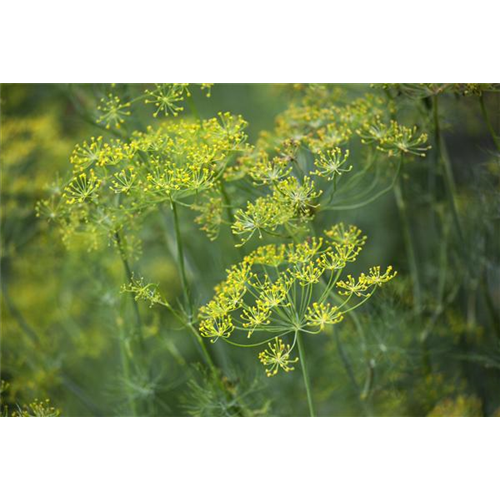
pixel 305 373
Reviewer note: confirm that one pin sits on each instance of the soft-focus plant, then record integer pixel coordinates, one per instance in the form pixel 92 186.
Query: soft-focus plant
pixel 155 163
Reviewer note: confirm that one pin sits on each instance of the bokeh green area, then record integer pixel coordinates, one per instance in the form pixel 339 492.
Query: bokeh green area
pixel 63 312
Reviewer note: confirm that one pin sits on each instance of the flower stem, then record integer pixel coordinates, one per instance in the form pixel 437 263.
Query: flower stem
pixel 447 172
pixel 180 259
pixel 491 130
pixel 128 276
pixel 189 306
pixel 305 373
pixel 204 350
pixel 230 215
pixel 346 362
pixel 409 242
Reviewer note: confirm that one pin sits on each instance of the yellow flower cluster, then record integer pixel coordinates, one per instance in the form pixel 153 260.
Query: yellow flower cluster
pixel 321 123
pixel 323 314
pixel 37 409
pixel 113 111
pixel 82 188
pixel 291 202
pixel 277 356
pixel 166 97
pixel 115 180
pixel 394 139
pixel 331 164
pixel 144 291
pixel 284 289
pixel 365 282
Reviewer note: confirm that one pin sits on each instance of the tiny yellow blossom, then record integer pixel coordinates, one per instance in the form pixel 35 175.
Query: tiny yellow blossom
pixel 277 356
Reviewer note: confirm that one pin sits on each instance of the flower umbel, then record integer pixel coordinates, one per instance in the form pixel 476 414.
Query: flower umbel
pixel 332 164
pixel 277 356
pixel 323 314
pixel 113 112
pixel 216 328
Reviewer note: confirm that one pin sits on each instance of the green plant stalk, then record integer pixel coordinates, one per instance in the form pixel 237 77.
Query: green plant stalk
pixel 128 276
pixel 181 262
pixel 230 216
pixel 193 108
pixel 346 362
pixel 189 305
pixel 126 361
pixel 305 373
pixel 492 309
pixel 409 244
pixel 491 130
pixel 126 374
pixel 447 172
pixel 204 350
pixel 363 394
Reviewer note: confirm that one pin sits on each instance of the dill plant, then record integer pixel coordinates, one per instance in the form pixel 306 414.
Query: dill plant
pixel 279 209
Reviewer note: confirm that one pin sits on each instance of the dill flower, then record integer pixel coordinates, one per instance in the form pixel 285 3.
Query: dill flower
pixel 347 253
pixel 323 314
pixel 347 236
pixel 211 214
pixel 331 261
pixel 280 290
pixel 269 255
pixel 37 409
pixel 82 188
pixel 291 204
pixel 400 139
pixel 331 136
pixel 113 112
pixel 475 89
pixel 256 316
pixel 207 87
pixel 144 291
pixel 50 209
pixel 394 139
pixel 299 196
pixel 87 154
pixel 331 164
pixel 263 215
pixel 166 97
pixel 126 178
pixel 124 181
pixel 274 293
pixel 216 328
pixel 308 274
pixel 277 356
pixel 352 286
pixel 303 252
pixel 270 171
pixel 375 278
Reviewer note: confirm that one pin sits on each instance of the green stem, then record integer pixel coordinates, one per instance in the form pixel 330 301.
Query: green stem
pixel 364 393
pixel 447 172
pixel 305 373
pixel 126 373
pixel 230 216
pixel 409 243
pixel 193 108
pixel 345 361
pixel 204 350
pixel 491 130
pixel 189 306
pixel 128 276
pixel 180 259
